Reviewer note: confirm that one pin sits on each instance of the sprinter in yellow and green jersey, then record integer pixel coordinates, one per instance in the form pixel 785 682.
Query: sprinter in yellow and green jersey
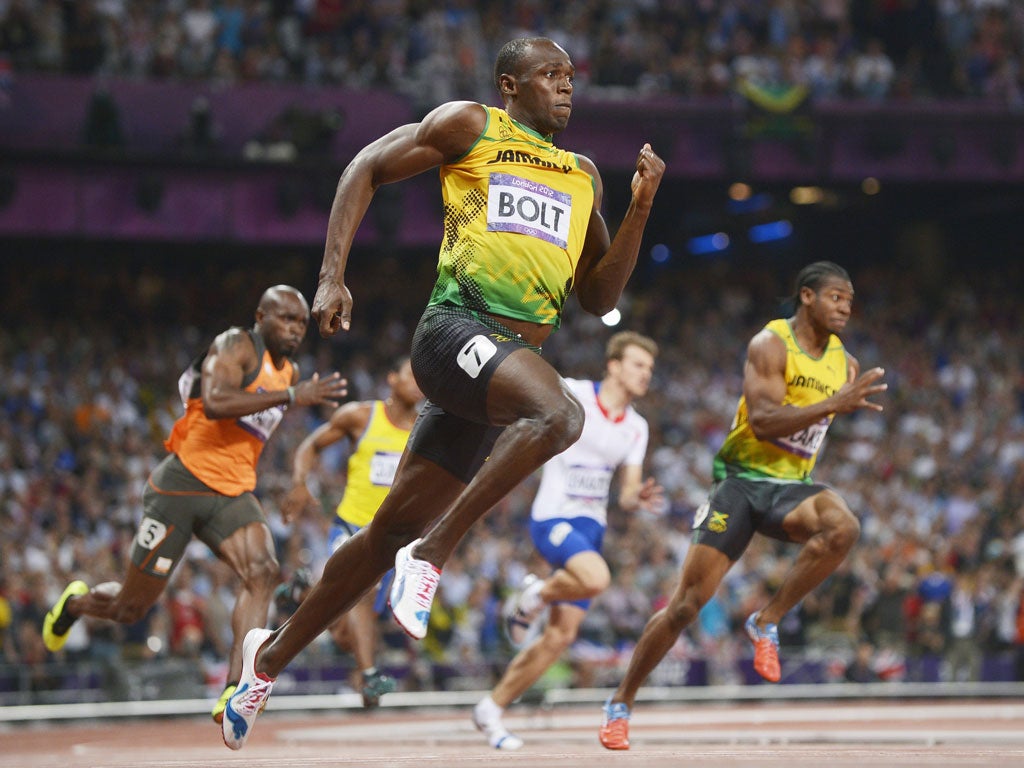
pixel 523 228
pixel 796 378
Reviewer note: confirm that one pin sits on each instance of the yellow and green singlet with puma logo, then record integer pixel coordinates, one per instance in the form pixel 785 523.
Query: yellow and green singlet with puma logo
pixel 809 380
pixel 516 211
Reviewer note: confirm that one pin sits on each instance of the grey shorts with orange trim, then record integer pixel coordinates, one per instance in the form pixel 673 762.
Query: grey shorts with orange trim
pixel 176 506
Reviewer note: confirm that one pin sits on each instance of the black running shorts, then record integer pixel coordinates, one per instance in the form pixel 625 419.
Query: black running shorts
pixel 454 355
pixel 737 508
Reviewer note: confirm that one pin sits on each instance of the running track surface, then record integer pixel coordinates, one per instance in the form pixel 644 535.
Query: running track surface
pixel 863 734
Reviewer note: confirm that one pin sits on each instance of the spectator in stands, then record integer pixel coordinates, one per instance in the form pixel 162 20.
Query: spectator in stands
pixel 861 667
pixel 910 49
pixel 872 72
pixel 86 39
pixel 18 35
pixel 884 618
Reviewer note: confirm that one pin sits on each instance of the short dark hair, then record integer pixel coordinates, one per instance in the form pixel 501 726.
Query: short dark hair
pixel 510 57
pixel 397 363
pixel 814 275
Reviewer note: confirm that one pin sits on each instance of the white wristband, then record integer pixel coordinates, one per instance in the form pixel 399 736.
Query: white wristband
pixel 291 395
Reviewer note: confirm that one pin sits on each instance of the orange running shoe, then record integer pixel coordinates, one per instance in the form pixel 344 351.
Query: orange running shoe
pixel 766 649
pixel 614 733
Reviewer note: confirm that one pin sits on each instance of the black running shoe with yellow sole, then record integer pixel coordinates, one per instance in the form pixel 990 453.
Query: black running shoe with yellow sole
pixel 58 621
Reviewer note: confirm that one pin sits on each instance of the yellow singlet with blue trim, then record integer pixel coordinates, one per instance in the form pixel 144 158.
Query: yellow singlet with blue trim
pixel 371 467
pixel 809 380
pixel 516 210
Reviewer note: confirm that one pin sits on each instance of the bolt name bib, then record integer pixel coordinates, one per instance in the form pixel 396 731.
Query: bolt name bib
pixel 519 205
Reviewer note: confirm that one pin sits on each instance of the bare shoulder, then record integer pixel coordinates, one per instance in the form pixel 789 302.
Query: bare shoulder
pixel 587 165
pixel 235 340
pixel 766 350
pixel 458 110
pixel 453 127
pixel 352 416
pixel 766 339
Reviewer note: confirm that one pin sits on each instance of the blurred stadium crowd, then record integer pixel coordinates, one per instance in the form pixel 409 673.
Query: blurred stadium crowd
pixel 435 51
pixel 938 478
pixel 90 350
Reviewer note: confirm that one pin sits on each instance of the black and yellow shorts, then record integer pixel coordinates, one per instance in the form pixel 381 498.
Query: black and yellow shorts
pixel 176 506
pixel 455 352
pixel 737 508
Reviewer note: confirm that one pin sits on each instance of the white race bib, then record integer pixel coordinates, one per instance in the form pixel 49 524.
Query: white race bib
pixel 383 466
pixel 806 442
pixel 588 482
pixel 151 533
pixel 263 423
pixel 515 204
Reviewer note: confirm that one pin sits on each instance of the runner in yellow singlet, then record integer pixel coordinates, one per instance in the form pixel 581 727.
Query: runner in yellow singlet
pixel 522 230
pixel 797 377
pixel 377 431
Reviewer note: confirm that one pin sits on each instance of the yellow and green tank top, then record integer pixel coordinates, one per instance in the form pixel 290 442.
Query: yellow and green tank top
pixel 516 210
pixel 809 380
pixel 371 467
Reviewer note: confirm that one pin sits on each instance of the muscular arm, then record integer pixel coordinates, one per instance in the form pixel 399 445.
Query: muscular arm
pixel 444 134
pixel 230 357
pixel 606 264
pixel 764 387
pixel 349 421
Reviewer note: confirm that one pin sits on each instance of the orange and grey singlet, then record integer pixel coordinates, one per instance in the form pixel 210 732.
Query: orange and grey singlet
pixel 809 380
pixel 223 453
pixel 371 467
pixel 516 211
